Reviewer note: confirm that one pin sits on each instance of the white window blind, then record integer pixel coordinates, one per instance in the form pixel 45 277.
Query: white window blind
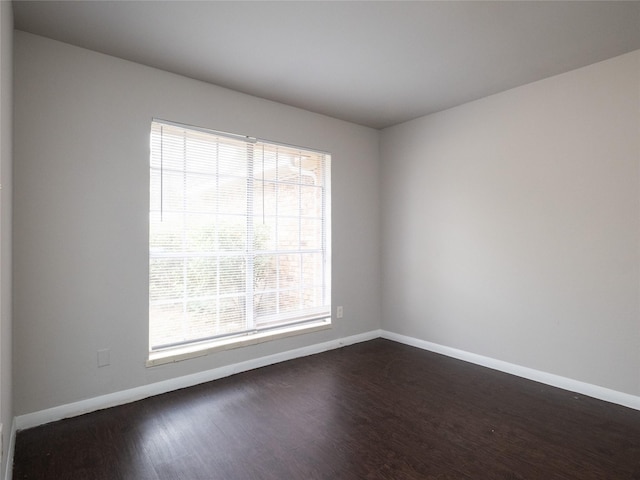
pixel 239 236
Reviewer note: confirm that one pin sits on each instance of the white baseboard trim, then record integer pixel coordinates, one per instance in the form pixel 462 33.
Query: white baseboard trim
pixel 588 389
pixel 41 417
pixel 8 474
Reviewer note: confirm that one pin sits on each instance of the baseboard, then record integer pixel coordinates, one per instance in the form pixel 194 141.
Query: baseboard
pixel 41 417
pixel 131 395
pixel 595 391
pixel 8 474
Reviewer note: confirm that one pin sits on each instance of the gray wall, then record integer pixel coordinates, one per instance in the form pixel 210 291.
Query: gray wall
pixel 81 138
pixel 511 226
pixel 6 129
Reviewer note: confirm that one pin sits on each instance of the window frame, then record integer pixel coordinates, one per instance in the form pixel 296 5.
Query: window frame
pixel 252 334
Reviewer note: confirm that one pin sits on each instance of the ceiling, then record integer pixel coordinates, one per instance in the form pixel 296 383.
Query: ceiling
pixel 375 63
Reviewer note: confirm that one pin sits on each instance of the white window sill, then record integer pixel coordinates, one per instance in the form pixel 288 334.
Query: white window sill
pixel 177 354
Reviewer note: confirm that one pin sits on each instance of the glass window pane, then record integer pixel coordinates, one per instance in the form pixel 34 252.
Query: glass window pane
pixel 288 200
pixel 166 281
pixel 311 201
pixel 232 317
pixel 264 233
pixel 289 301
pixel 202 277
pixel 201 194
pixel 312 269
pixel 202 319
pixel 265 304
pixel 200 233
pixel 288 233
pixel 312 297
pixel 289 271
pixel 201 153
pixel 222 244
pixel 232 275
pixel 166 233
pixel 232 233
pixel 311 234
pixel 264 273
pixel 264 198
pixel 165 323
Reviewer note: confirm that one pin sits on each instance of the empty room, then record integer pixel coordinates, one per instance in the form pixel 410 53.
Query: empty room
pixel 319 240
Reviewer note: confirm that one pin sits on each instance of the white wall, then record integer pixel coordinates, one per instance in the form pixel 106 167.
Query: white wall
pixel 6 129
pixel 511 226
pixel 82 124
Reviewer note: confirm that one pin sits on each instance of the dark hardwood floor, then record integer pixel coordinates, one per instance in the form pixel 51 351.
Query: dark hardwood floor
pixel 375 410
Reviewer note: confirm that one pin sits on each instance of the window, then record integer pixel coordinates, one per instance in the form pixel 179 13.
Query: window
pixel 239 238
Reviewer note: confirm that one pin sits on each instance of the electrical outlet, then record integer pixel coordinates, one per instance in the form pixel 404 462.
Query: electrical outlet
pixel 339 312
